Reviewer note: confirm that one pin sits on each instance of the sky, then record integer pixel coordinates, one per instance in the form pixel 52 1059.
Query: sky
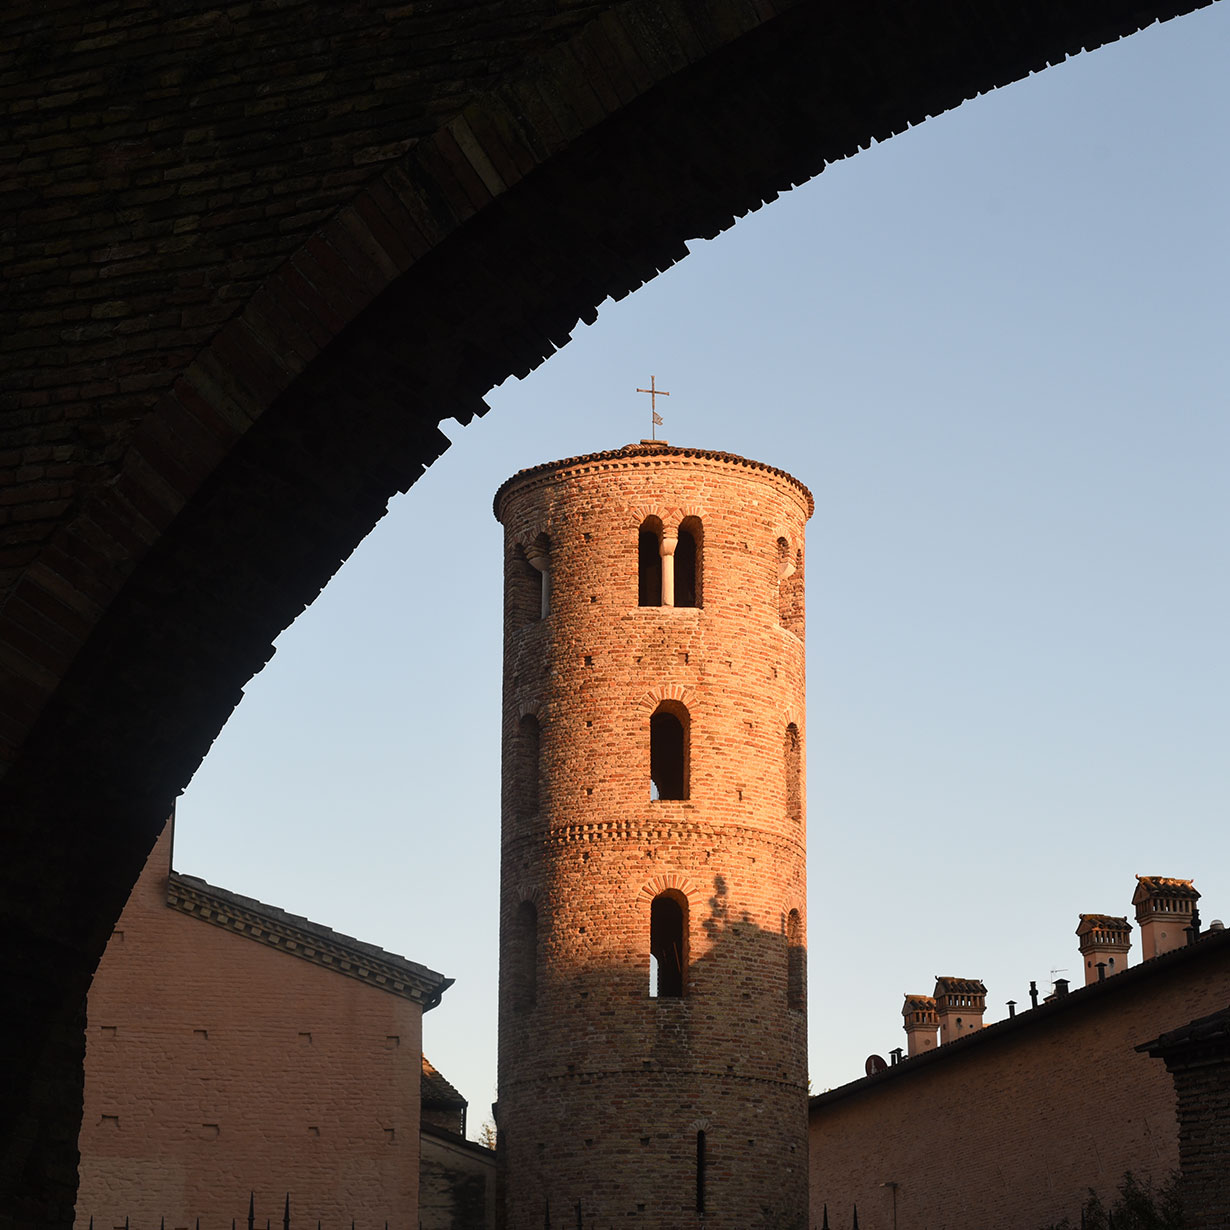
pixel 994 347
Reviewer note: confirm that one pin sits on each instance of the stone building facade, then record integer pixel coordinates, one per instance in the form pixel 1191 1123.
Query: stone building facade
pixel 652 1053
pixel 233 1048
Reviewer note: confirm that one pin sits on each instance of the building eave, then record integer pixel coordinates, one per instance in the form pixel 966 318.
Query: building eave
pixel 307 941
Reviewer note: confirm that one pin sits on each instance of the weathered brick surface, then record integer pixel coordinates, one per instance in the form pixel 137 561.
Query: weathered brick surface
pixel 217 1066
pixel 254 253
pixel 1011 1126
pixel 602 1089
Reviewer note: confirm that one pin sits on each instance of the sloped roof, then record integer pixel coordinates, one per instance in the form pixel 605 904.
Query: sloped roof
pixel 918 1003
pixel 437 1092
pixel 958 986
pixel 1163 886
pixel 1102 922
pixel 309 941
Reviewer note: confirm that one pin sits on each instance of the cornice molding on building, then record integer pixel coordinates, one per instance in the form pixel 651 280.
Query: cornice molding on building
pixel 308 941
pixel 636 456
pixel 1212 945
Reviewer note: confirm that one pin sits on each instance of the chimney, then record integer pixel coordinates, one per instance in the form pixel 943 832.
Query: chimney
pixel 959 1004
pixel 1163 911
pixel 1104 940
pixel 921 1023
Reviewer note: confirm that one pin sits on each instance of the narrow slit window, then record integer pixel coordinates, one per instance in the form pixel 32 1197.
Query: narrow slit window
pixel 529 766
pixel 649 563
pixel 669 767
pixel 700 1172
pixel 794 776
pixel 688 563
pixel 525 957
pixel 668 938
pixel 796 963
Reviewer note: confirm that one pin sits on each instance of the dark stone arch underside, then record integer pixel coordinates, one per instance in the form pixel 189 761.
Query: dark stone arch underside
pixel 730 105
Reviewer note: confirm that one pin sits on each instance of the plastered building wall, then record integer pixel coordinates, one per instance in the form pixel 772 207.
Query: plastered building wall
pixel 604 1089
pixel 217 1066
pixel 1009 1127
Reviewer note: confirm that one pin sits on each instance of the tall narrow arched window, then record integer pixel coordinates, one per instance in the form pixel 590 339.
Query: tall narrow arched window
pixel 525 957
pixel 794 776
pixel 796 963
pixel 529 767
pixel 790 589
pixel 668 945
pixel 669 759
pixel 688 563
pixel 522 590
pixel 649 563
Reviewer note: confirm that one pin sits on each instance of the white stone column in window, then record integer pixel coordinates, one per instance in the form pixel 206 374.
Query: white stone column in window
pixel 670 540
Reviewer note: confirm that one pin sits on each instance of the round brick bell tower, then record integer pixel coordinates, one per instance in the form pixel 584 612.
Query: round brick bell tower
pixel 652 1052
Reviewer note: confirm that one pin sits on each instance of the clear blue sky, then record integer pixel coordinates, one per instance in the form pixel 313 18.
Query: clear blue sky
pixel 995 347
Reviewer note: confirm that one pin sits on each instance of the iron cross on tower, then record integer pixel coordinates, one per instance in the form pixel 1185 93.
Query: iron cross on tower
pixel 654 393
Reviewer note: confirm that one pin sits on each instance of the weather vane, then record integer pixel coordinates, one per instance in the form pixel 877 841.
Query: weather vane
pixel 654 393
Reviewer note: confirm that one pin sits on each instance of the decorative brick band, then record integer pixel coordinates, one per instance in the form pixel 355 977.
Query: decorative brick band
pixel 306 940
pixel 630 830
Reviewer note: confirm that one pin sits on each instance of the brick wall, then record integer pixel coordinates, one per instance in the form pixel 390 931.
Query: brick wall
pixel 603 1089
pixel 1197 1056
pixel 1008 1128
pixel 216 1066
pixel 456 1183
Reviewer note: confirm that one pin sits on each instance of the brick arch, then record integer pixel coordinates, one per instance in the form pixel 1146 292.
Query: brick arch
pixel 668 691
pixel 270 395
pixel 529 892
pixel 669 881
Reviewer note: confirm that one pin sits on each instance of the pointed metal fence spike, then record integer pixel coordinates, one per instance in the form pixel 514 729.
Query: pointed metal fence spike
pixel 251 1211
pixel 855 1226
pixel 824 1224
pixel 286 1214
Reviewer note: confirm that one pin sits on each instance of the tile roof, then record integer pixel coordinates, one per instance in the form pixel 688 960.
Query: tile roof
pixel 300 937
pixel 958 986
pixel 1104 922
pixel 436 1091
pixel 1163 886
pixel 645 450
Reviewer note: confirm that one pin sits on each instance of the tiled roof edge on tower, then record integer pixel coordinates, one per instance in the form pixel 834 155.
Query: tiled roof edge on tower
pixel 639 453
